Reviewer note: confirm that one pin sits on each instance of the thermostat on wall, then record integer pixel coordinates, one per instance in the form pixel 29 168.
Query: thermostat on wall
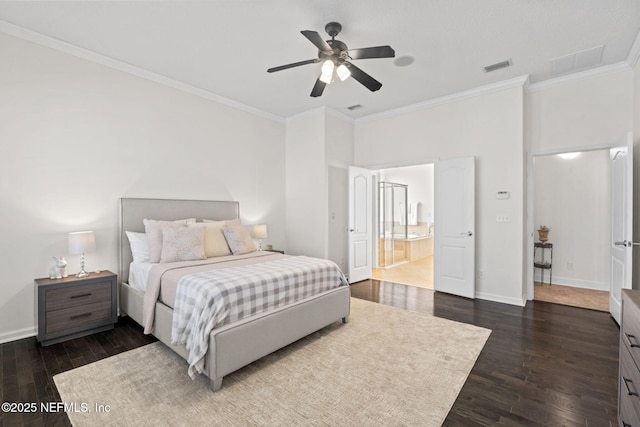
pixel 502 195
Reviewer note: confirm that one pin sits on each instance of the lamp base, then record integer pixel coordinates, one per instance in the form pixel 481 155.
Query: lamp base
pixel 82 272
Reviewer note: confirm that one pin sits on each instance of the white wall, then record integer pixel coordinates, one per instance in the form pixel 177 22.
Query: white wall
pixel 306 185
pixel 580 113
pixel 571 196
pixel 636 174
pixel 77 136
pixel 339 156
pixel 319 149
pixel 488 127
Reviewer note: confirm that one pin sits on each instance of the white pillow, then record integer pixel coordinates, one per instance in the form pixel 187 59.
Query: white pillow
pixel 182 243
pixel 214 242
pixel 239 240
pixel 139 246
pixel 153 228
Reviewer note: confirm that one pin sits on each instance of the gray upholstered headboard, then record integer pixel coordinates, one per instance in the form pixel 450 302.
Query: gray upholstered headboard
pixel 133 211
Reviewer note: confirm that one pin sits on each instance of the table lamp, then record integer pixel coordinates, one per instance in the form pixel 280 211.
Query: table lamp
pixel 80 243
pixel 260 232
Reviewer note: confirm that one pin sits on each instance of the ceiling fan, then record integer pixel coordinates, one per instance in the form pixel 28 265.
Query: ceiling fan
pixel 335 57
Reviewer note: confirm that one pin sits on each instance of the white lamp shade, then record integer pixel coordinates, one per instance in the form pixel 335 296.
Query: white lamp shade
pixel 327 71
pixel 82 242
pixel 260 231
pixel 343 72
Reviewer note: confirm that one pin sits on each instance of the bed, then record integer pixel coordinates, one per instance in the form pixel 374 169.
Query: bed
pixel 232 345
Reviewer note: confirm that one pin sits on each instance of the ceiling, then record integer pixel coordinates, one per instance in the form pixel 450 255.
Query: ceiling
pixel 225 46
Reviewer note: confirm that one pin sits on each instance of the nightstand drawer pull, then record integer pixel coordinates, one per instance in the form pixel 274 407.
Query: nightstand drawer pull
pixel 78 316
pixel 88 294
pixel 632 345
pixel 626 384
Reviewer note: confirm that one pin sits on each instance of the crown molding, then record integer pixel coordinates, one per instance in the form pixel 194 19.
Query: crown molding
pixel 634 53
pixel 582 75
pixel 481 90
pixel 339 114
pixel 317 110
pixel 82 53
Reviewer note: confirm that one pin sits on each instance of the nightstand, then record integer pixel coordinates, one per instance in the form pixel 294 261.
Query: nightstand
pixel 73 307
pixel 273 250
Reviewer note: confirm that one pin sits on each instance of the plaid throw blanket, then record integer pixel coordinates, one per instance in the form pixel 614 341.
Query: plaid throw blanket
pixel 211 299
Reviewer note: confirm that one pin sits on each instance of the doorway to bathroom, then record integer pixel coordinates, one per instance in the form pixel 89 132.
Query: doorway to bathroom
pixel 404 214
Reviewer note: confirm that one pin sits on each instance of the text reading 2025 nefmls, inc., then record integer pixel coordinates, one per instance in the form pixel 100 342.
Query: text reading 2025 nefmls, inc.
pixel 52 407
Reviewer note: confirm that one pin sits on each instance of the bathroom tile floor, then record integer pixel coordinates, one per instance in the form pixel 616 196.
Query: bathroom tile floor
pixel 416 273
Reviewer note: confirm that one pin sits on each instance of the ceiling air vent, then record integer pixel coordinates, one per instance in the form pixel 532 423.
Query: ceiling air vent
pixel 355 107
pixel 497 66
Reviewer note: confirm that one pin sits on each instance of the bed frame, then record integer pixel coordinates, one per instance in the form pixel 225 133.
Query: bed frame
pixel 237 344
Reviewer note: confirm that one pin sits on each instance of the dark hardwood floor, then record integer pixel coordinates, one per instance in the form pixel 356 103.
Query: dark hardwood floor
pixel 27 369
pixel 544 364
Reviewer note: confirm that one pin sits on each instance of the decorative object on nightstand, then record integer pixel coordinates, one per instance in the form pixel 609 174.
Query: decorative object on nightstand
pixel 260 232
pixel 80 243
pixel 73 307
pixel 60 269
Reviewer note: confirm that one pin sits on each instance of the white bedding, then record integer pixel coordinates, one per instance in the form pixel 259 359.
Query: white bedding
pixel 139 275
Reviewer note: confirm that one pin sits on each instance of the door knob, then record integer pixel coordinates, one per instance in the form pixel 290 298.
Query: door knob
pixel 466 233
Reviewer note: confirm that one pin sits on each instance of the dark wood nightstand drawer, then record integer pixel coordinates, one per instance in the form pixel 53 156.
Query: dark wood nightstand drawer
pixel 78 317
pixel 629 378
pixel 72 307
pixel 630 329
pixel 62 298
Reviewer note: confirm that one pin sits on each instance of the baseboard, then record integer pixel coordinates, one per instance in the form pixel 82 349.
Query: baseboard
pixel 501 299
pixel 17 334
pixel 575 283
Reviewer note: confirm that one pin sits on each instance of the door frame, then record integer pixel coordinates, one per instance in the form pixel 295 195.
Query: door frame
pixel 374 170
pixel 530 230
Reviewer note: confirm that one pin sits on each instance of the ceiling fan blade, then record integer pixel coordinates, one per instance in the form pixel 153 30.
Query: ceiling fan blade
pixel 365 79
pixel 295 64
pixel 318 88
pixel 315 38
pixel 372 52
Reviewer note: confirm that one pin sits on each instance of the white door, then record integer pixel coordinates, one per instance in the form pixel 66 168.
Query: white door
pixel 621 223
pixel 360 224
pixel 454 227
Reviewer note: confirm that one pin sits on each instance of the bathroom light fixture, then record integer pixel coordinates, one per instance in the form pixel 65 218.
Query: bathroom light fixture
pixel 260 232
pixel 80 243
pixel 568 156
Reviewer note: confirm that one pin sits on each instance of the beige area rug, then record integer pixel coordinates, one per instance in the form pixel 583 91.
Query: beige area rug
pixel 387 366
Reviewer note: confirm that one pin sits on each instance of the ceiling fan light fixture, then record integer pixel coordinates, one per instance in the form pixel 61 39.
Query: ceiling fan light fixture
pixel 327 71
pixel 343 72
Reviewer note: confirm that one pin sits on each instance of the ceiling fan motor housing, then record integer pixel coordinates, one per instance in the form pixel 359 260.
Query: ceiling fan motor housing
pixel 333 28
pixel 339 50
